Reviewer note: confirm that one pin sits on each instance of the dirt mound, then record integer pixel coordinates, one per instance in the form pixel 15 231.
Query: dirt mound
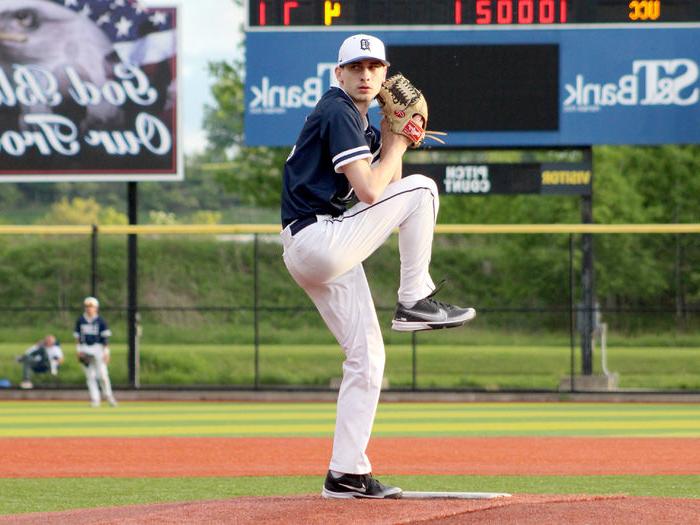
pixel 313 510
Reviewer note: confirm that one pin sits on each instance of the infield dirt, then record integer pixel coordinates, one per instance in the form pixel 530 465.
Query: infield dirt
pixel 176 457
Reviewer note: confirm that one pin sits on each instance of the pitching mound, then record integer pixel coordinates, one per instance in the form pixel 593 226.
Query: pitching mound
pixel 521 509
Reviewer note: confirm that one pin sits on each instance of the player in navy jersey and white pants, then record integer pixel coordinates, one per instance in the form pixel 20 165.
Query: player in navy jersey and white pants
pixel 338 154
pixel 92 338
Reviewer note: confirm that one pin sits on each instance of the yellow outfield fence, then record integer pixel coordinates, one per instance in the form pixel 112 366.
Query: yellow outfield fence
pixel 220 229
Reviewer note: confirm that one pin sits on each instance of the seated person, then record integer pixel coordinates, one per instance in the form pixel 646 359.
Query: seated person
pixel 45 356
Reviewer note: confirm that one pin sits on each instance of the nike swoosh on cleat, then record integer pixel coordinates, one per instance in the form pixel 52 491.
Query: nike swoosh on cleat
pixel 356 489
pixel 425 316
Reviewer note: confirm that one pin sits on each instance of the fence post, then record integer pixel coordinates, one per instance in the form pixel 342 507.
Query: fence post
pixel 415 361
pixel 132 287
pixel 93 260
pixel 256 321
pixel 572 329
pixel 587 280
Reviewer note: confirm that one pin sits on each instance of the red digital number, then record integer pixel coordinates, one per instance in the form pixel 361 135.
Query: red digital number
pixel 262 13
pixel 288 6
pixel 546 11
pixel 504 11
pixel 526 12
pixel 483 11
pixel 458 12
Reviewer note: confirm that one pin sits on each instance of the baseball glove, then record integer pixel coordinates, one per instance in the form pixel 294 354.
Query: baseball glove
pixel 400 101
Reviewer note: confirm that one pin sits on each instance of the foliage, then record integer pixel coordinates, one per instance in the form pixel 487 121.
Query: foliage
pixel 82 211
pixel 9 197
pixel 28 203
pixel 162 218
pixel 205 285
pixel 205 217
pixel 111 216
pixel 652 185
pixel 254 174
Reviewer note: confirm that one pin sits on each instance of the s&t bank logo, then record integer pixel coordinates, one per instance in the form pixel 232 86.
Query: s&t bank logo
pixel 267 98
pixel 651 83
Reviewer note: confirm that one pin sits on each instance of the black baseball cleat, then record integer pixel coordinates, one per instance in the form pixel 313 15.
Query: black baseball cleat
pixel 358 486
pixel 430 314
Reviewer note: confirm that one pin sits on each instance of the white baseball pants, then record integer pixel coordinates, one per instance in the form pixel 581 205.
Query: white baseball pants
pixel 325 259
pixel 96 372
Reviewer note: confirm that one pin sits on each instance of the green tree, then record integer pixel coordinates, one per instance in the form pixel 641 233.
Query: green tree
pixel 253 174
pixel 655 185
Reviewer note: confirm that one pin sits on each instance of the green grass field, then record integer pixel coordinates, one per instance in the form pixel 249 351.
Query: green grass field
pixel 147 419
pixel 530 364
pixel 64 419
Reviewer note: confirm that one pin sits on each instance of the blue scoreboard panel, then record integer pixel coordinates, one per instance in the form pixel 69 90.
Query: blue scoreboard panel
pixel 496 73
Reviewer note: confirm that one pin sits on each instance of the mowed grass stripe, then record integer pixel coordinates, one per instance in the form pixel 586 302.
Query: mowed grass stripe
pixel 549 407
pixel 21 407
pixel 407 417
pixel 302 433
pixel 50 408
pixel 597 433
pixel 120 419
pixel 295 419
pixel 390 410
pixel 275 428
pixel 406 425
pixel 106 430
pixel 10 410
pixel 185 424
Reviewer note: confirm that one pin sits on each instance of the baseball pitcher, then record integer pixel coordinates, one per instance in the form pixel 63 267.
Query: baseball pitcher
pixel 337 156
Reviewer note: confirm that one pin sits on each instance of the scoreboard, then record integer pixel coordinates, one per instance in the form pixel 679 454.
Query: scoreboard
pixel 325 13
pixel 496 73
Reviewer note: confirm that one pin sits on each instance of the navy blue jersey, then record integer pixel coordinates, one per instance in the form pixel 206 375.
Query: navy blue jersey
pixel 334 135
pixel 93 331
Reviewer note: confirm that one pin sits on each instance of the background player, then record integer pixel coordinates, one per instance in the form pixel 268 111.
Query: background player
pixel 337 154
pixel 92 338
pixel 45 356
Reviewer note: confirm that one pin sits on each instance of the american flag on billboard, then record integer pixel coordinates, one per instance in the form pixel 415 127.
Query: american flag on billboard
pixel 140 35
pixel 88 91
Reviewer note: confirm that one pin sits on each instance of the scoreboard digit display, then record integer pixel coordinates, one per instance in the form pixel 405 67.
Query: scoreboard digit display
pixel 325 13
pixel 496 73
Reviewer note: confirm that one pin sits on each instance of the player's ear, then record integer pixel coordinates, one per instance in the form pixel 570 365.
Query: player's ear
pixel 338 70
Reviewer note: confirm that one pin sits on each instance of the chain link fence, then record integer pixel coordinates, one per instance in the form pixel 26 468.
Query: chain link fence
pixel 213 307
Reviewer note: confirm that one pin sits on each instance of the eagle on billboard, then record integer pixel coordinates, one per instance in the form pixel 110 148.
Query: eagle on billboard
pixel 88 90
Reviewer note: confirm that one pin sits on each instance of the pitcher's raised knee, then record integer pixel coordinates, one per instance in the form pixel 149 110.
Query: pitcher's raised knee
pixel 421 181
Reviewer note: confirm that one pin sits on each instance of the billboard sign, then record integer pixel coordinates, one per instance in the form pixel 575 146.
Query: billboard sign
pixel 541 86
pixel 88 91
